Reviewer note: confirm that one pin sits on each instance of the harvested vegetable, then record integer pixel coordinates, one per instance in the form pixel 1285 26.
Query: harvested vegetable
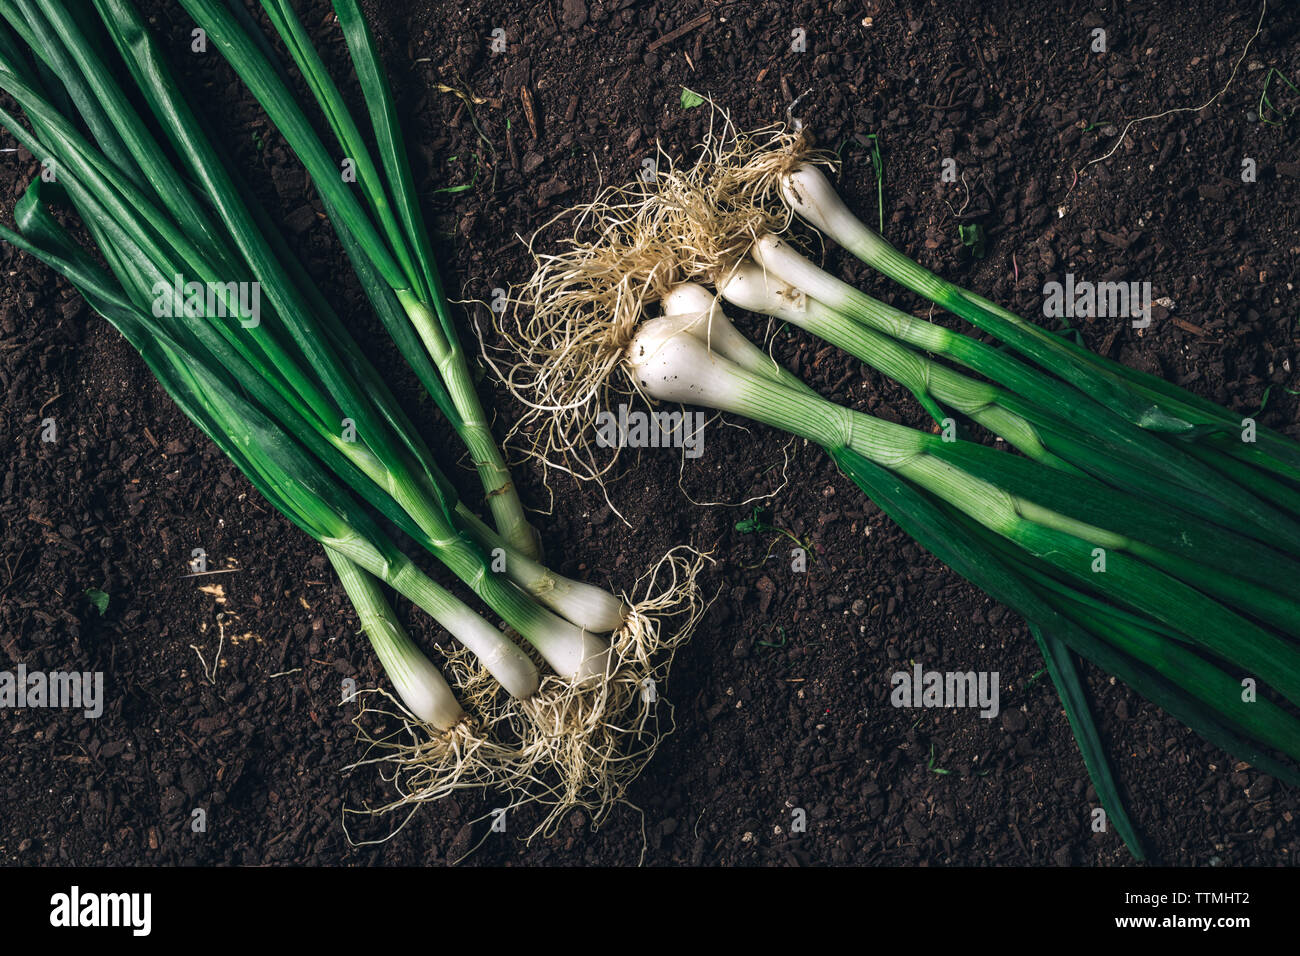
pixel 1137 530
pixel 287 394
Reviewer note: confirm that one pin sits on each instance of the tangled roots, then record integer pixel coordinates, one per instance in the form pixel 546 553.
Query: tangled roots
pixel 597 734
pixel 573 744
pixel 424 763
pixel 567 328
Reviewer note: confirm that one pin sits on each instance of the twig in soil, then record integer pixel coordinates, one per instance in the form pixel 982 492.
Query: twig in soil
pixel 13 571
pixel 1185 109
pixel 680 32
pixel 201 574
pixel 794 121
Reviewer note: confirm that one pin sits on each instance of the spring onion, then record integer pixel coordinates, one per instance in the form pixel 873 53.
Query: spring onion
pixel 421 686
pixel 1129 533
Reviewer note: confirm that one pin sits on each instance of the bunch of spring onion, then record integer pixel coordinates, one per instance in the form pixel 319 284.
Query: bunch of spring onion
pixel 274 393
pixel 1134 528
pixel 583 724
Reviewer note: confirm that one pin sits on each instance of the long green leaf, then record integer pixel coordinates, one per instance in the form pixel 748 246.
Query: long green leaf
pixel 328 97
pixel 1065 677
pixel 962 545
pixel 264 82
pixel 913 510
pixel 392 152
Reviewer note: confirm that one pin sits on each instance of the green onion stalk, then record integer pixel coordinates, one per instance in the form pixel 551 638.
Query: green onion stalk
pixel 1145 400
pixel 385 225
pixel 1064 426
pixel 273 389
pixel 418 682
pixel 749 286
pixel 283 357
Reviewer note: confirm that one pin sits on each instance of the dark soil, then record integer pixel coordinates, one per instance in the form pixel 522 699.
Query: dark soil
pixel 782 700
